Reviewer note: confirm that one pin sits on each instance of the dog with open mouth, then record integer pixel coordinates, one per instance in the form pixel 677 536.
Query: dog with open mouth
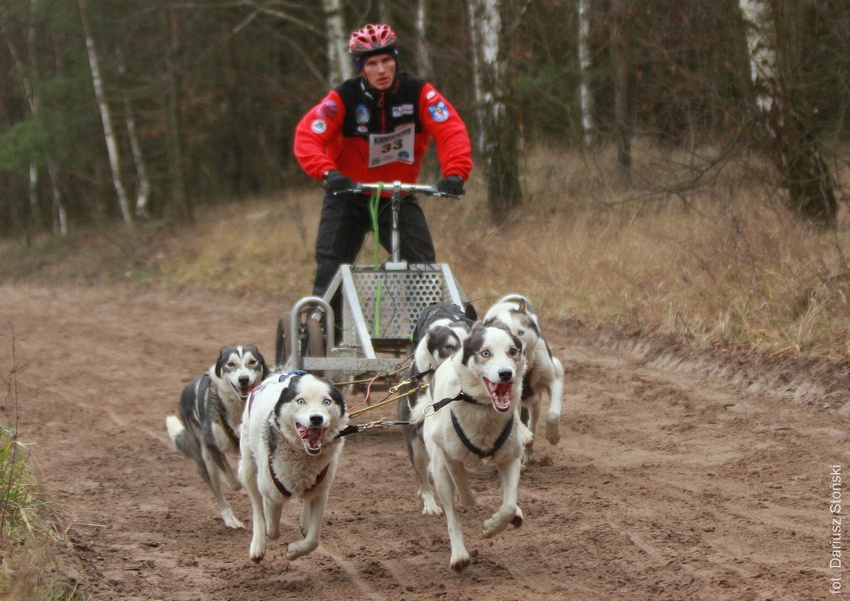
pixel 210 417
pixel 440 330
pixel 290 448
pixel 545 371
pixel 473 414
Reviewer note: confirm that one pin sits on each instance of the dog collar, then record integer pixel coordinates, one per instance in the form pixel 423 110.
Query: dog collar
pixel 284 491
pixel 503 437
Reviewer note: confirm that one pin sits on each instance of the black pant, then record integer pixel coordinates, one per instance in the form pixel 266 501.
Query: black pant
pixel 345 221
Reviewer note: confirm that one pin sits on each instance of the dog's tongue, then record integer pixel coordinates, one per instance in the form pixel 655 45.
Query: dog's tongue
pixel 312 438
pixel 500 394
pixel 242 391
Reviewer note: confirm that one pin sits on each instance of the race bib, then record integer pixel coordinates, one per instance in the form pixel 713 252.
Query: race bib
pixel 396 147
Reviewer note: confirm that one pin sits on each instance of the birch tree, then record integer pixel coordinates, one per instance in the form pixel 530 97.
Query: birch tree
pixel 339 60
pixel 499 136
pixel 144 186
pixel 423 52
pixel 105 116
pixel 792 147
pixel 588 123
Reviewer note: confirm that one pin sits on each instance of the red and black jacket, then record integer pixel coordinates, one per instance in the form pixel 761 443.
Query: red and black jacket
pixel 334 134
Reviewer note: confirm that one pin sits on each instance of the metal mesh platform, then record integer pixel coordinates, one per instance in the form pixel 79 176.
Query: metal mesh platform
pixel 400 296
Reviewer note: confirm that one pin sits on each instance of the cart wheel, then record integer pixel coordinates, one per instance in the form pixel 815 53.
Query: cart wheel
pixel 315 338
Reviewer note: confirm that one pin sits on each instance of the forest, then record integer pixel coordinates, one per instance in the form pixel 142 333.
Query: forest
pixel 127 109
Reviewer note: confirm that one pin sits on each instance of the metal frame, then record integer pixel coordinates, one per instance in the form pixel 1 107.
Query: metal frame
pixel 349 347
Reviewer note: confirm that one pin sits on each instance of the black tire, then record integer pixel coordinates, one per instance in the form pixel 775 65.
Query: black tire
pixel 315 344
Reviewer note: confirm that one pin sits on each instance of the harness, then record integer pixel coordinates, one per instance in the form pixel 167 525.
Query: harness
pixel 203 388
pixel 284 491
pixel 503 438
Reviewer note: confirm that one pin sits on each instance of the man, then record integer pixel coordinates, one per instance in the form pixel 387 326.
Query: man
pixel 376 127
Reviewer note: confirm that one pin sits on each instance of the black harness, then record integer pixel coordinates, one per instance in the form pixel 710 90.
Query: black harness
pixel 503 438
pixel 500 442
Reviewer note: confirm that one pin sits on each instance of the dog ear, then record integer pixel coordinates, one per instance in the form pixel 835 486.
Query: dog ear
pixel 336 395
pixel 223 354
pixel 522 306
pixel 255 350
pixel 470 312
pixel 288 394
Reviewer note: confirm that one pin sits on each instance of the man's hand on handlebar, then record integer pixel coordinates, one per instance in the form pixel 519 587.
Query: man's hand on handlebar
pixel 334 182
pixel 451 185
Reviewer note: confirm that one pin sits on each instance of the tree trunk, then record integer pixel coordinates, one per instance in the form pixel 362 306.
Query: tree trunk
pixel 179 207
pixel 106 118
pixel 498 122
pixel 339 60
pixel 143 193
pixel 423 53
pixel 588 123
pixel 622 131
pixel 793 148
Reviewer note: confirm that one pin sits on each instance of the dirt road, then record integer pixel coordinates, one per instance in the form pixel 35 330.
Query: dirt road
pixel 673 480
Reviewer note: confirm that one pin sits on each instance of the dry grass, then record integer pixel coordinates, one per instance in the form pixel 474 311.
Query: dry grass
pixel 719 264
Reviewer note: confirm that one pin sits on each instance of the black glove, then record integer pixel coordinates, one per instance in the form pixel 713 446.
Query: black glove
pixel 452 185
pixel 334 181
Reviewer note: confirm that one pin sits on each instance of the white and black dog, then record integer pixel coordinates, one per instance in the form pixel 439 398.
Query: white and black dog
pixel 544 371
pixel 440 330
pixel 476 416
pixel 290 447
pixel 211 408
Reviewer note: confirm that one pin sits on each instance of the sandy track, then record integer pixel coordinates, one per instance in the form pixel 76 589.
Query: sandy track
pixel 667 484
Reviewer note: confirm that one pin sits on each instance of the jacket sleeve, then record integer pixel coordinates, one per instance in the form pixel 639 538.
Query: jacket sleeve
pixel 317 131
pixel 447 128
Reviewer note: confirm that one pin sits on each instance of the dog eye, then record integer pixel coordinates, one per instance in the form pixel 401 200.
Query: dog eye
pixel 485 354
pixel 521 333
pixel 327 402
pixel 514 352
pixel 301 401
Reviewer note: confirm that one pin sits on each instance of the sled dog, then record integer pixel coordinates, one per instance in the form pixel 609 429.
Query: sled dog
pixel 290 448
pixel 545 371
pixel 210 416
pixel 473 415
pixel 440 330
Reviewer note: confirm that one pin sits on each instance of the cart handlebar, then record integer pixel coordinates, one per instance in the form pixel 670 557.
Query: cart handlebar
pixel 400 189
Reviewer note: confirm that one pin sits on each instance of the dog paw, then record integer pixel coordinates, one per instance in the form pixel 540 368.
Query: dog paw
pixel 553 432
pixel 257 551
pixel 299 549
pixel 518 518
pixel 499 521
pixel 460 560
pixel 432 509
pixel 230 520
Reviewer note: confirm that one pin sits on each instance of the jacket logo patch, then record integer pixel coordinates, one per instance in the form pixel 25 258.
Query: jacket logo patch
pixel 402 110
pixel 439 112
pixel 327 109
pixel 361 114
pixel 319 126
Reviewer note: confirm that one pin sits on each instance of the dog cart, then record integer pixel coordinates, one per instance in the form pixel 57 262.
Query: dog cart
pixel 365 321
